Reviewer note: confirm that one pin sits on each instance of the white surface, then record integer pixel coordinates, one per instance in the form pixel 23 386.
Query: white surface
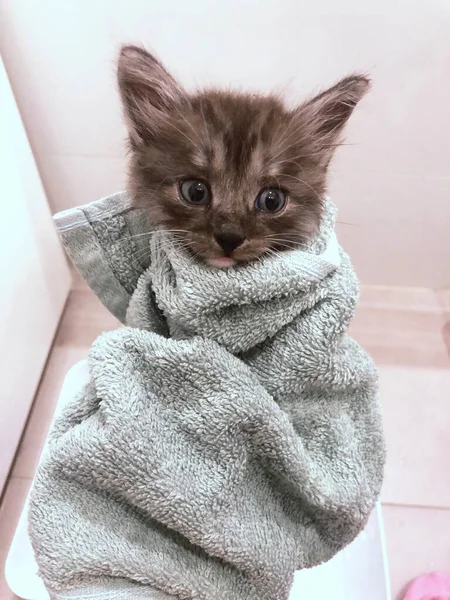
pixel 35 279
pixel 393 185
pixel 359 572
pixel 21 570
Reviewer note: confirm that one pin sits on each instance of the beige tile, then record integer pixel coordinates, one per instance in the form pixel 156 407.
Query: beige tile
pixel 417 424
pixel 85 318
pixel 10 509
pixel 444 300
pixel 443 297
pixel 400 298
pixel 78 282
pixel 382 250
pixel 39 420
pixel 418 541
pixel 446 332
pixel 403 331
pixel 401 337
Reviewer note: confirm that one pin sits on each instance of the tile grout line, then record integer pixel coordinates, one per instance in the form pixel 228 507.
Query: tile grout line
pixel 416 506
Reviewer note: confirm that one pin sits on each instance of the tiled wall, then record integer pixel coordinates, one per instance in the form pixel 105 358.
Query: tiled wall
pixel 392 185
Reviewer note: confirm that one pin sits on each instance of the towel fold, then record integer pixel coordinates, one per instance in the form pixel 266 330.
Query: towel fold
pixel 230 434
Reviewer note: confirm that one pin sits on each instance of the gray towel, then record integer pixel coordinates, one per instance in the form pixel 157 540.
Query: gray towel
pixel 229 435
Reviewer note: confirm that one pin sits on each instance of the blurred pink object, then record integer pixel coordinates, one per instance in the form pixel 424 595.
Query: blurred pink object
pixel 431 586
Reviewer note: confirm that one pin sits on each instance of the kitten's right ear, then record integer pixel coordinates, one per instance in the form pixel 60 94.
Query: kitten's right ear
pixel 148 92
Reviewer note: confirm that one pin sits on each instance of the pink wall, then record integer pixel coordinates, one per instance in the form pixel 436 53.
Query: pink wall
pixel 393 185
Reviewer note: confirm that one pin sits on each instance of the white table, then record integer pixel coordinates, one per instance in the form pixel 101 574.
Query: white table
pixel 359 572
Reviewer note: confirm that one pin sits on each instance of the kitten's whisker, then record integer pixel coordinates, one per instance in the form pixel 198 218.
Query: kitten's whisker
pixel 285 136
pixel 284 240
pixel 278 182
pixel 190 125
pixel 304 183
pixel 310 155
pixel 271 252
pixel 148 233
pixel 285 139
pixel 280 246
pixel 338 145
pixel 288 238
pixel 274 238
pixel 293 162
pixel 287 246
pixel 282 162
pixel 141 259
pixel 204 124
pixel 164 230
pixel 193 257
pixel 184 135
pixel 138 251
pixel 291 246
pixel 142 253
pixel 322 146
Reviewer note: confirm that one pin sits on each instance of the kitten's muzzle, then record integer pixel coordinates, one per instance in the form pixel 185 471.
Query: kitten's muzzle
pixel 229 242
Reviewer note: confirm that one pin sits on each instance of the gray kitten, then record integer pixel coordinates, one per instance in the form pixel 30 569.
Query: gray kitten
pixel 234 176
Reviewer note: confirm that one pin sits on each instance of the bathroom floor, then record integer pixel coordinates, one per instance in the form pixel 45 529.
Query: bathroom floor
pixel 407 331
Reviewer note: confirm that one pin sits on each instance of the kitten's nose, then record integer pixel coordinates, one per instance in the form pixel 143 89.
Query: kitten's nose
pixel 229 241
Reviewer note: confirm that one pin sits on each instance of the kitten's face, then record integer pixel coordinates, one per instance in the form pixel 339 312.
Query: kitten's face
pixel 232 176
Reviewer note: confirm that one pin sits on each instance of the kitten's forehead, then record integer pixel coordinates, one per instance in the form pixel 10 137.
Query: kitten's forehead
pixel 240 131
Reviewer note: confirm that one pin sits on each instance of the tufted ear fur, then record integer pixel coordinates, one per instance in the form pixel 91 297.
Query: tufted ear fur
pixel 148 92
pixel 322 119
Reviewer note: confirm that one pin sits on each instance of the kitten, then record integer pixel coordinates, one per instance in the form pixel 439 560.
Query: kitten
pixel 234 176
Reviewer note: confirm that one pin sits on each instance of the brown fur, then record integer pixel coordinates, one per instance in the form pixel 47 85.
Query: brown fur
pixel 236 143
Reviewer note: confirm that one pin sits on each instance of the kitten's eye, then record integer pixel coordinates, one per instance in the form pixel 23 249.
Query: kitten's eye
pixel 271 200
pixel 195 192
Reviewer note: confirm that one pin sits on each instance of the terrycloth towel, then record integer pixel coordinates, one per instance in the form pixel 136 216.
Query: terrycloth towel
pixel 229 435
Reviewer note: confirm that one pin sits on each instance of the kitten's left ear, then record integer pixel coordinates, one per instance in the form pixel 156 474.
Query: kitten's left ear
pixel 148 92
pixel 325 115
